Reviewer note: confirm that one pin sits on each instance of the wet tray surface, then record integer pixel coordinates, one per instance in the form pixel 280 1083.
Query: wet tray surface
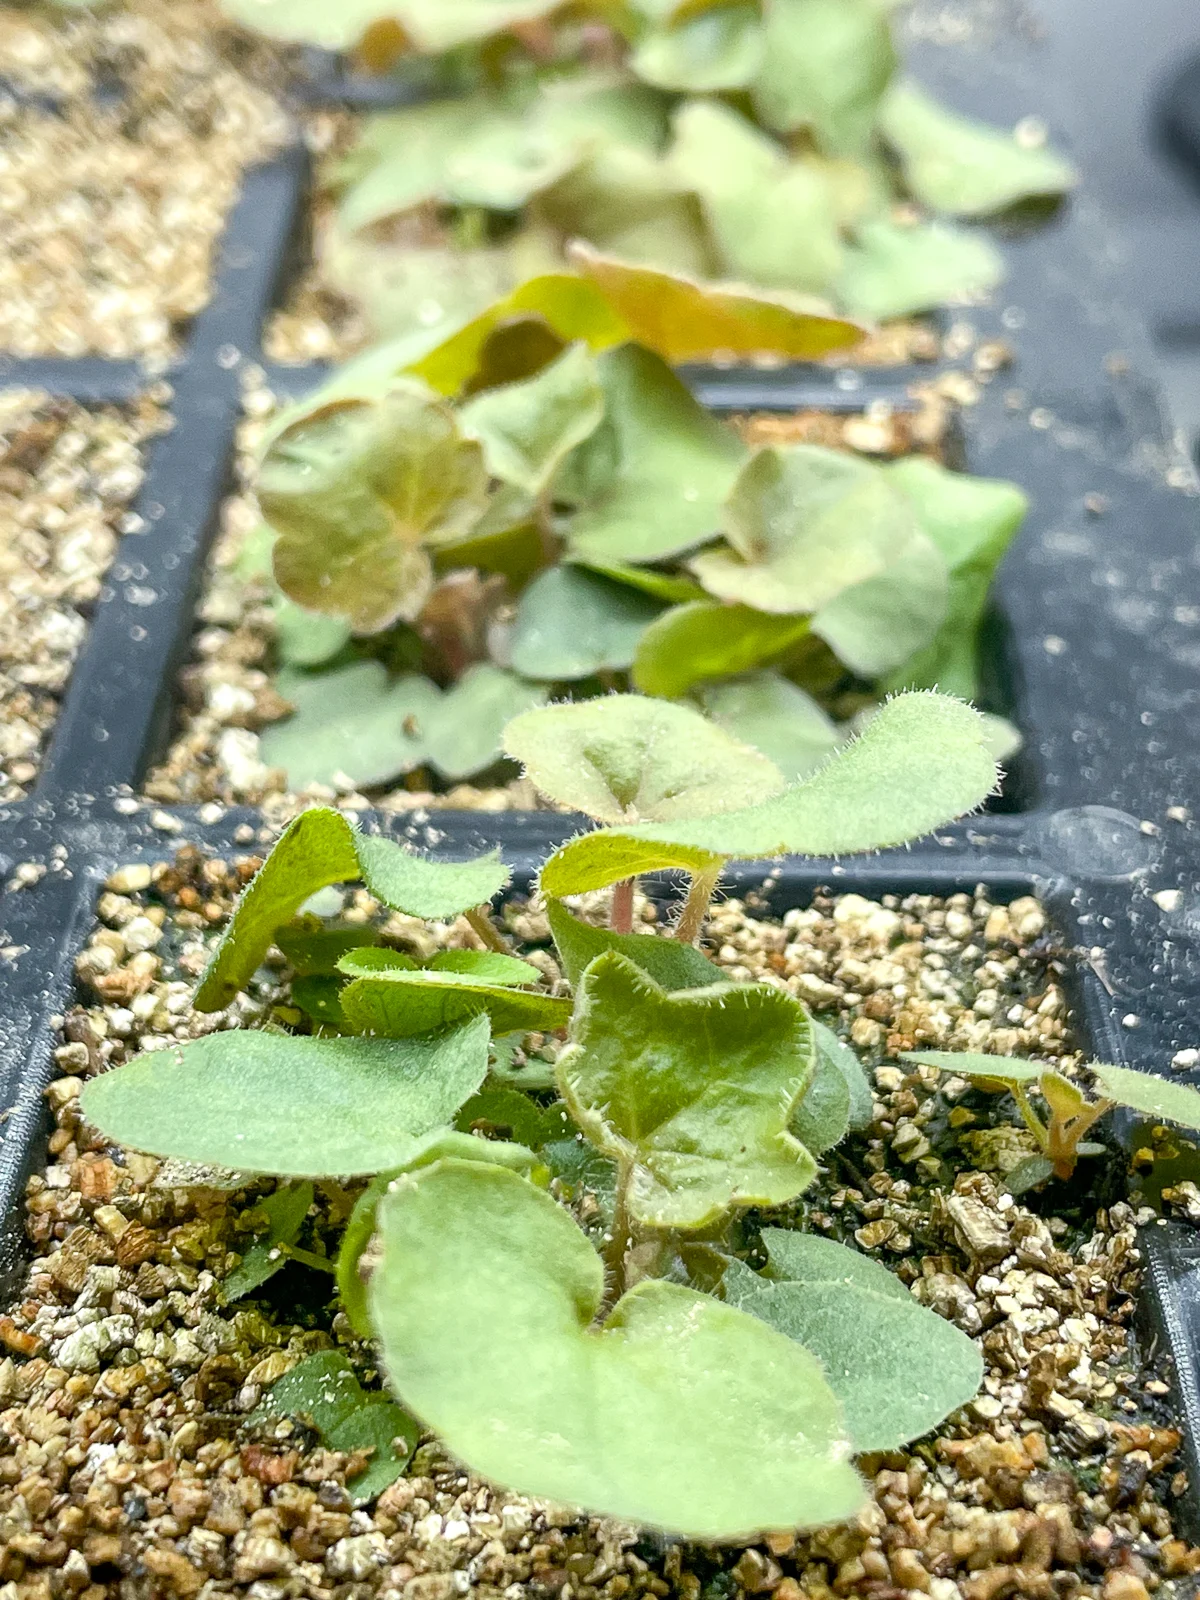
pixel 1098 643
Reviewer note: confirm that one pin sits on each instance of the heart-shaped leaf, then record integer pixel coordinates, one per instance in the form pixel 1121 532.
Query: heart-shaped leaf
pixel 672 964
pixel 894 271
pixel 684 320
pixel 692 1091
pixel 351 725
pixel 485 1301
pixel 826 65
pixel 706 639
pixel 776 717
pixel 527 429
pixel 805 524
pixel 324 1390
pixel 775 221
pixel 298 1107
pixel 285 1211
pixel 626 756
pixel 877 625
pixel 1151 1095
pixel 353 488
pixel 318 848
pixel 720 48
pixel 463 730
pixel 972 521
pixel 898 1368
pixel 397 1003
pixel 571 624
pixel 955 164
pixel 921 761
pixel 657 470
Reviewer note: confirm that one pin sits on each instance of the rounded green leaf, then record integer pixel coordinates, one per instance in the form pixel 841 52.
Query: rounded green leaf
pixel 353 487
pixel 1151 1095
pixel 705 639
pixel 427 886
pixel 894 271
pixel 677 1412
pixel 296 1106
pixel 826 63
pixel 877 625
pixel 571 624
pixel 310 21
pixel 822 1117
pixel 463 731
pixel 285 1211
pixel 776 717
pixel 625 757
pixel 721 48
pixel 1004 1070
pixel 528 429
pixel 305 638
pixel 397 1003
pixel 351 725
pixel 898 1368
pixel 955 164
pixel 671 964
pixel 840 1056
pixel 489 965
pixel 694 1089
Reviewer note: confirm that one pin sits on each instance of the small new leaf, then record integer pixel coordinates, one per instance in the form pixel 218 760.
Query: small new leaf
pixel 285 1211
pixel 692 1090
pixel 671 964
pixel 397 1003
pixel 485 1303
pixel 528 429
pixel 297 1107
pixel 1151 1095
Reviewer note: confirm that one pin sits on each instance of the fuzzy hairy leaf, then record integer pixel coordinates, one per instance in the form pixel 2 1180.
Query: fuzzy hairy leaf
pixel 489 965
pixel 1151 1095
pixel 893 271
pixel 826 65
pixel 571 624
pixel 831 1049
pixel 354 487
pixel 955 164
pixel 897 1368
pixel 875 626
pixel 685 320
pixel 351 724
pixel 706 639
pixel 285 1211
pixel 324 1389
pixel 528 429
pixel 694 1089
pixel 484 1302
pixel 397 1003
pixel 321 847
pixel 671 964
pixel 625 757
pixel 776 717
pixel 657 470
pixel 992 1072
pixel 921 762
pixel 294 1106
pixel 719 48
pixel 838 1098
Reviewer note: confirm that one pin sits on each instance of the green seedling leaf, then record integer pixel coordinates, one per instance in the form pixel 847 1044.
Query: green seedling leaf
pixel 625 757
pixel 449 23
pixel 1029 1173
pixel 955 164
pixel 516 1115
pixel 721 48
pixel 485 1302
pixel 805 524
pixel 692 1090
pixel 661 585
pixel 775 221
pixel 685 320
pixel 826 65
pixel 571 624
pixel 1149 1094
pixel 831 1049
pixel 314 947
pixel 310 21
pixel 423 886
pixel 877 625
pixel 319 996
pixel 776 717
pixel 305 638
pixel 489 965
pixel 397 1003
pixel 670 963
pixel 354 487
pixel 315 850
pixel 894 271
pixel 528 429
pixel 898 1368
pixel 630 204
pixel 324 1391
pixel 972 521
pixel 992 1072
pixel 297 1107
pixel 464 731
pixel 351 725
pixel 668 464
pixel 921 761
pixel 821 1119
pixel 285 1211
pixel 706 639
pixel 506 539
pixel 1062 1096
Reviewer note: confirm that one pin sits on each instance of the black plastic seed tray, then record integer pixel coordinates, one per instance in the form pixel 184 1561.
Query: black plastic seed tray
pixel 1096 653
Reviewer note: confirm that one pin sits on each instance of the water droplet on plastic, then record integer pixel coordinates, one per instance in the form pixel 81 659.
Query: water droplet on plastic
pixel 1097 842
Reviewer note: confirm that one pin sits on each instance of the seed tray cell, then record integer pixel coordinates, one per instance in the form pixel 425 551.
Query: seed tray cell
pixel 1098 607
